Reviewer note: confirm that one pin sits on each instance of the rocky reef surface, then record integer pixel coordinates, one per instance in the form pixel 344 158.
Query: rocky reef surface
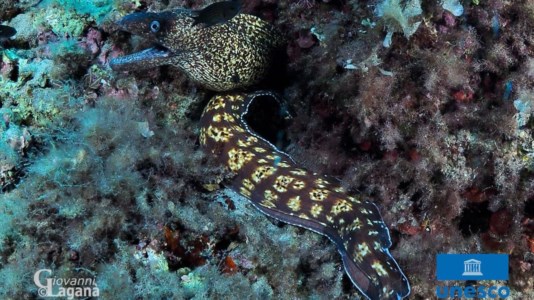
pixel 425 108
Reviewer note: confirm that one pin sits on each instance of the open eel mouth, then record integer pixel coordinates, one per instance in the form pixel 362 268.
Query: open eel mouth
pixel 139 24
pixel 148 58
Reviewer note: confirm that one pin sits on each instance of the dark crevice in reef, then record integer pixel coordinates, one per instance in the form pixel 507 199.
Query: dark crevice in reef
pixel 14 75
pixel 347 285
pixel 395 236
pixel 448 107
pixel 417 204
pixel 196 110
pixel 474 219
pixel 405 185
pixel 437 177
pixel 348 145
pixel 267 118
pixel 529 208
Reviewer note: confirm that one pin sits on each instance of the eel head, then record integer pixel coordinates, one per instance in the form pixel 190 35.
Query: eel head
pixel 234 53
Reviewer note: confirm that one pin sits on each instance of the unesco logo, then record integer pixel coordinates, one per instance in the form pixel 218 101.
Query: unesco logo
pixel 472 267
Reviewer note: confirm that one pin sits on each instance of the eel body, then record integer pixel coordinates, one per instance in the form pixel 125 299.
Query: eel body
pixel 280 189
pixel 237 54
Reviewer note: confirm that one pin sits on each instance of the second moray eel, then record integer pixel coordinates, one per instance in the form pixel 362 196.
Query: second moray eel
pixel 234 55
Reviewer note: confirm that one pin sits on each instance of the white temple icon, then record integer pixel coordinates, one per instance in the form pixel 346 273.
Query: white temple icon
pixel 472 268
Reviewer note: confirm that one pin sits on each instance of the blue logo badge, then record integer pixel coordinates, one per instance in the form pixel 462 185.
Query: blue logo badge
pixel 472 267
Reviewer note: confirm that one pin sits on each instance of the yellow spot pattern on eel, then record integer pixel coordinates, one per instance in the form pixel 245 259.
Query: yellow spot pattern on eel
pixel 237 158
pixel 299 172
pixel 319 194
pixel 341 205
pixel 362 251
pixel 380 270
pixel 299 185
pixel 262 172
pixel 222 134
pixel 316 210
pixel 282 182
pixel 294 203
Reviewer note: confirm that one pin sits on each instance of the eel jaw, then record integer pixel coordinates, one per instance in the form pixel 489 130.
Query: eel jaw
pixel 139 24
pixel 148 58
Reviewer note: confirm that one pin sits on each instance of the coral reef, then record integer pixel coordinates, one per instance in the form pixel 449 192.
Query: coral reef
pixel 101 175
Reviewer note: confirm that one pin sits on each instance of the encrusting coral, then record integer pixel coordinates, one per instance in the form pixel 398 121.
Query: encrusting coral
pixel 106 179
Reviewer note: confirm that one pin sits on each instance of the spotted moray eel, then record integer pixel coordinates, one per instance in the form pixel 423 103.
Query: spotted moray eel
pixel 236 55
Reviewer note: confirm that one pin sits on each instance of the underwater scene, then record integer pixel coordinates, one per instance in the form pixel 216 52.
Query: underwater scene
pixel 265 149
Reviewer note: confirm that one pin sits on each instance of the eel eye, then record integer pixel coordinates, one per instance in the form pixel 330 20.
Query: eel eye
pixel 154 26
